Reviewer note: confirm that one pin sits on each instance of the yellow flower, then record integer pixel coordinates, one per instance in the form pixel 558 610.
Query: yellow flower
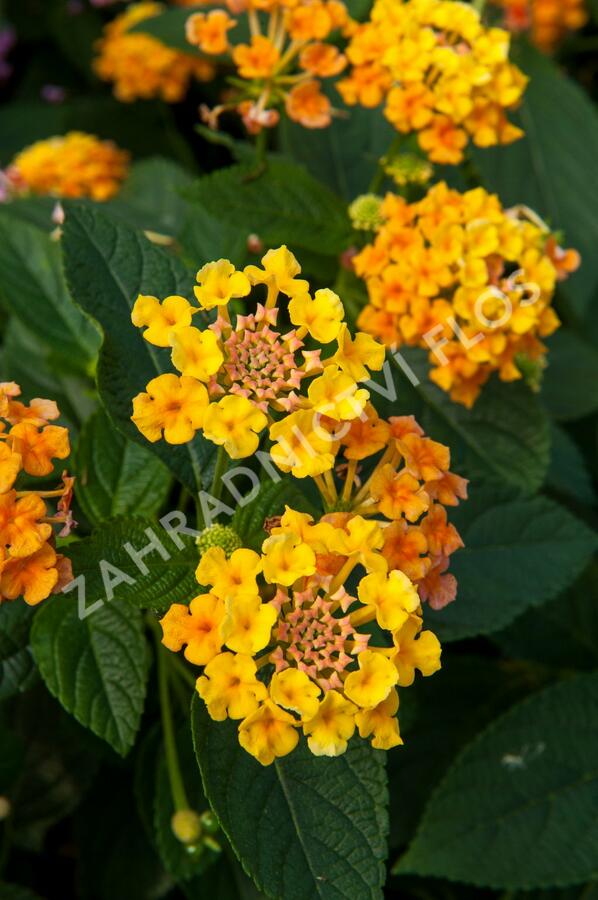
pixel 373 682
pixel 162 320
pixel 321 316
pixel 286 558
pixel 336 395
pixel 197 626
pixel 332 726
pixel 415 652
pixel 381 722
pixel 393 597
pixel 173 406
pixel 280 269
pixel 294 690
pixel 248 623
pixel 234 423
pixel 353 356
pixel 302 446
pixel 196 353
pixel 230 577
pixel 219 282
pixel 229 687
pixel 268 733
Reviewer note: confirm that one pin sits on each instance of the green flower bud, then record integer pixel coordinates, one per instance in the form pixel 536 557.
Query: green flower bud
pixel 186 826
pixel 219 536
pixel 364 212
pixel 408 168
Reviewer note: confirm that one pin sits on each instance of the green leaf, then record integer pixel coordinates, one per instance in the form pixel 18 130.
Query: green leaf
pixel 570 383
pixel 166 581
pixel 96 667
pixel 283 205
pixel 568 473
pixel 115 476
pixel 305 827
pixel 563 633
pixel 107 265
pixel 248 520
pixel 16 892
pixel 345 155
pixel 34 290
pixel 552 169
pixel 516 555
pixel 517 809
pixel 17 668
pixel 150 198
pixel 503 440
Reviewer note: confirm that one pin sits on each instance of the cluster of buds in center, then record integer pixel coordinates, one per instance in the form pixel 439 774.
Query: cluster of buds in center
pixel 289 646
pixel 246 372
pixel 29 563
pixel 281 65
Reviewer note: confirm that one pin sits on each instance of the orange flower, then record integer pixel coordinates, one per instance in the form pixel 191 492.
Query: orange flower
pixel 209 31
pixel 257 59
pixel 438 587
pixel 307 105
pixel 34 576
pixel 323 60
pixel 21 532
pixel 424 458
pixel 38 448
pixel 10 466
pixel 443 141
pixel 442 537
pixel 398 494
pixel 366 436
pixel 404 549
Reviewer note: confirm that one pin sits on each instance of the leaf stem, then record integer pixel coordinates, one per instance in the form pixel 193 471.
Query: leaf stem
pixel 221 464
pixel 177 786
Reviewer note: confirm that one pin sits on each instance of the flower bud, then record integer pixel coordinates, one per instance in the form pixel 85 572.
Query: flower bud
pixel 186 826
pixel 219 536
pixel 364 212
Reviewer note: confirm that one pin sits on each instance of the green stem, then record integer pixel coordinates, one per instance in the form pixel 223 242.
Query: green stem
pixel 380 175
pixel 182 671
pixel 479 6
pixel 177 785
pixel 221 464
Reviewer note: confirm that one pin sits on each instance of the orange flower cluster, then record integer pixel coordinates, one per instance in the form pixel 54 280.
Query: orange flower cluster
pixel 141 66
pixel 441 73
pixel 459 275
pixel 406 493
pixel 71 165
pixel 29 564
pixel 281 65
pixel 548 21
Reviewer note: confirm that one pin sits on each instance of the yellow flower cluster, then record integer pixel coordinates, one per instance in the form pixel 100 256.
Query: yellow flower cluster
pixel 287 649
pixel 29 564
pixel 281 65
pixel 240 375
pixel 71 165
pixel 548 21
pixel 459 275
pixel 440 72
pixel 141 66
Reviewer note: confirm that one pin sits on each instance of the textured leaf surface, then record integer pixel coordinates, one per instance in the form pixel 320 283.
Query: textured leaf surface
pixel 34 290
pixel 283 205
pixel 96 667
pixel 166 580
pixel 17 668
pixel 504 439
pixel 107 265
pixel 568 473
pixel 570 383
pixel 518 808
pixel 516 555
pixel 305 827
pixel 553 168
pixel 116 476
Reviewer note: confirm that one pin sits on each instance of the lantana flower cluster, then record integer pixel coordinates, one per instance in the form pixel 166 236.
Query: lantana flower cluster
pixel 547 21
pixel 29 563
pixel 71 165
pixel 440 72
pixel 329 659
pixel 142 67
pixel 245 373
pixel 458 274
pixel 282 64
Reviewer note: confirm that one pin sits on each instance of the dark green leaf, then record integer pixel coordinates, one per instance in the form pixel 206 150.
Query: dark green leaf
pixel 16 892
pixel 304 827
pixel 503 440
pixel 570 383
pixel 282 205
pixel 167 580
pixel 107 266
pixel 568 473
pixel 552 169
pixel 516 555
pixel 517 809
pixel 116 476
pixel 150 198
pixel 17 668
pixel 33 289
pixel 96 667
